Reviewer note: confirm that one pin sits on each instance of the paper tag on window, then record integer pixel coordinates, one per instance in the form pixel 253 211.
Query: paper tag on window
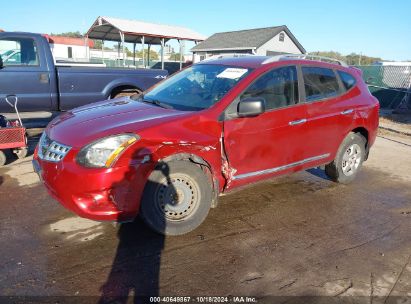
pixel 232 73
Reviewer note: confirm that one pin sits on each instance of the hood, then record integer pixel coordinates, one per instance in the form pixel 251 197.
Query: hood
pixel 83 125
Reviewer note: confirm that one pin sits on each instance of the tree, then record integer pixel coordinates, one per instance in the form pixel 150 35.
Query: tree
pixel 175 57
pixel 76 34
pixel 153 54
pixel 350 59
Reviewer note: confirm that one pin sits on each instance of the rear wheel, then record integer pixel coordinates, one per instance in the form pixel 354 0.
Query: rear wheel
pixel 348 160
pixel 177 198
pixel 125 92
pixel 21 153
pixel 3 158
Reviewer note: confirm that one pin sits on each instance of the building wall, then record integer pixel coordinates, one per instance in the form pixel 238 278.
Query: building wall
pixel 275 45
pixel 60 51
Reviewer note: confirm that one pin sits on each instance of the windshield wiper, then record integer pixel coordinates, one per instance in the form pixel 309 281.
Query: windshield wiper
pixel 154 102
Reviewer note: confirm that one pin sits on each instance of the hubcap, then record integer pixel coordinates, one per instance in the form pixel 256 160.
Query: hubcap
pixel 177 197
pixel 351 160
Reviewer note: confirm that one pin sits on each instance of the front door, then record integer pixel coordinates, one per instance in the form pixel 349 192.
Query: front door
pixel 273 142
pixel 24 74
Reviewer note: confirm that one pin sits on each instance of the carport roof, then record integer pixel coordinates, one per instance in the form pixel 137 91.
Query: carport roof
pixel 108 28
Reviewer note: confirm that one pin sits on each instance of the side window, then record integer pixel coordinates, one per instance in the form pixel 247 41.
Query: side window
pixel 19 52
pixel 319 83
pixel 347 80
pixel 279 88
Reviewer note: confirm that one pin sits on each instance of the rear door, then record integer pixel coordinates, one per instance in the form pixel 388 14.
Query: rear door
pixel 330 110
pixel 24 74
pixel 272 142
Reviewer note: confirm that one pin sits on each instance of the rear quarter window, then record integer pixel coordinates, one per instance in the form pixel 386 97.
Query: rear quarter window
pixel 319 83
pixel 347 79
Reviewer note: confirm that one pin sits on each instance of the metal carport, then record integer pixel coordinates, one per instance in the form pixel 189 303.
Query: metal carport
pixel 133 31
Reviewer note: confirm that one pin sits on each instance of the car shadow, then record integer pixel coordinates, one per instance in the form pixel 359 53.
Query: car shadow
pixel 135 272
pixel 318 172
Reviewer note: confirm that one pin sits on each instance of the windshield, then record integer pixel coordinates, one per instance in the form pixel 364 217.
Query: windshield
pixel 197 87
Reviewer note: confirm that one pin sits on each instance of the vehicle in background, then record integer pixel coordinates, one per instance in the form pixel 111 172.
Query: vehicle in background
pixel 11 56
pixel 41 85
pixel 218 125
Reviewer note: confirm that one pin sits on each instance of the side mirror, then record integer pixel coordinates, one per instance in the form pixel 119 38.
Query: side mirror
pixel 251 106
pixel 1 62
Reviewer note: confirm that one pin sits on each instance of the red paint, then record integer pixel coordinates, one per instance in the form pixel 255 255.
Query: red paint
pixel 250 144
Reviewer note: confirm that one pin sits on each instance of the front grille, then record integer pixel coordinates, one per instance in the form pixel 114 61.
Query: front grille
pixel 51 150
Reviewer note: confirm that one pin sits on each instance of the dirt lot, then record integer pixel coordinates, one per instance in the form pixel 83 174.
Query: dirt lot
pixel 292 236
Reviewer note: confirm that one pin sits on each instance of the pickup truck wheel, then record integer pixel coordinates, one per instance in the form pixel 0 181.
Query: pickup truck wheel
pixel 3 158
pixel 348 160
pixel 21 153
pixel 122 93
pixel 177 198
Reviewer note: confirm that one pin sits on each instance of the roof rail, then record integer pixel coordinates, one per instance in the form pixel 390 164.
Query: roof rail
pixel 228 55
pixel 304 56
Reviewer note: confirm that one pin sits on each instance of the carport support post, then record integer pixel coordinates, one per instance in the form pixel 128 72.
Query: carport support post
pixel 142 43
pixel 134 54
pixel 122 43
pixel 148 55
pixel 162 54
pixel 102 50
pixel 181 53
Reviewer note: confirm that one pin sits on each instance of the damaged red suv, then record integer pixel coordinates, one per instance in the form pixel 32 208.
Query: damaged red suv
pixel 167 154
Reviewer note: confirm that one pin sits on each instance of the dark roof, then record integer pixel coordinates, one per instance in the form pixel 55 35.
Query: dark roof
pixel 245 39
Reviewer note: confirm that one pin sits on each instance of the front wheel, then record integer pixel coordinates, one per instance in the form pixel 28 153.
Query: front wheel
pixel 348 160
pixel 177 198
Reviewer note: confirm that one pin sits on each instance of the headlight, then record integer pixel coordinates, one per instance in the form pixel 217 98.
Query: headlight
pixel 104 152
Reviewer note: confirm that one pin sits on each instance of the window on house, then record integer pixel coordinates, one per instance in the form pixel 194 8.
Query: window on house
pixel 70 52
pixel 281 37
pixel 319 83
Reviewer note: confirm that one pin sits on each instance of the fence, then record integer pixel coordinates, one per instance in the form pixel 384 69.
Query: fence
pixel 390 84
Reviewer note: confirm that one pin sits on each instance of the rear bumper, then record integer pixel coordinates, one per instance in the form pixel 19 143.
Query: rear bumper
pixel 112 194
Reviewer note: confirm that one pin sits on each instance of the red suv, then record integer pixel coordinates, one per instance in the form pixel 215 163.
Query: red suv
pixel 167 154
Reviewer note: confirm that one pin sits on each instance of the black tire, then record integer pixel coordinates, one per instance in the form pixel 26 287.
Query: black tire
pixel 21 153
pixel 176 198
pixel 3 158
pixel 123 93
pixel 342 170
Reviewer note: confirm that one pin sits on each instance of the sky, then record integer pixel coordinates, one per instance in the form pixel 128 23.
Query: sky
pixel 378 28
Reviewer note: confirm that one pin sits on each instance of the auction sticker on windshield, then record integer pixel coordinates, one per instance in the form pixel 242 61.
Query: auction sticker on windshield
pixel 232 73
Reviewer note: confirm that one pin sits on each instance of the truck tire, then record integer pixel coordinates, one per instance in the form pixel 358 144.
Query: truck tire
pixel 348 161
pixel 3 158
pixel 176 198
pixel 126 92
pixel 21 153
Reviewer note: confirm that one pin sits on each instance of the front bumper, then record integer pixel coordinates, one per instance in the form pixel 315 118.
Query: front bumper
pixel 112 194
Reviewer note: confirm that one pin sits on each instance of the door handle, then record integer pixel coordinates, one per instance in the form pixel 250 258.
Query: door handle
pixel 297 122
pixel 347 112
pixel 44 77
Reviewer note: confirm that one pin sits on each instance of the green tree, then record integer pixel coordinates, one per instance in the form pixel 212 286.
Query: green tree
pixel 350 59
pixel 153 54
pixel 76 34
pixel 175 57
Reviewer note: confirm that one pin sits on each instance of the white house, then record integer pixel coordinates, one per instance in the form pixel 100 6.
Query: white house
pixel 69 48
pixel 262 41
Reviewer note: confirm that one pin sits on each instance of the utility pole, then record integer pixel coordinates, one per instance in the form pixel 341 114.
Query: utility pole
pixel 359 59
